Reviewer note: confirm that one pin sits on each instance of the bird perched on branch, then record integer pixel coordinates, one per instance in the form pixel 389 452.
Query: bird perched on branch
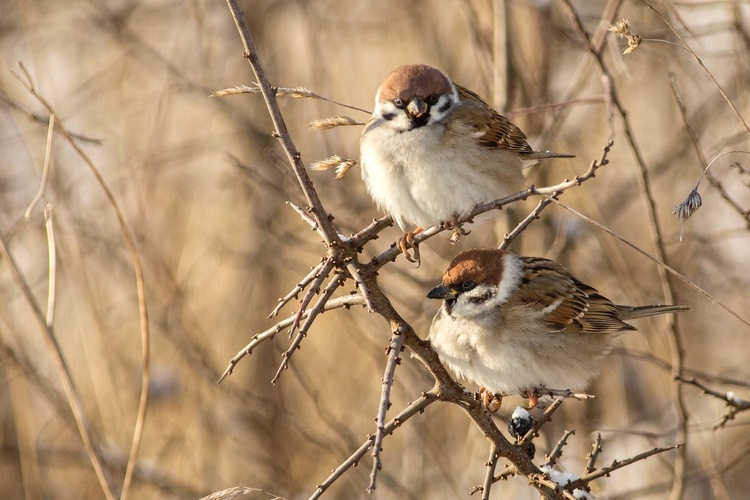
pixel 433 150
pixel 517 324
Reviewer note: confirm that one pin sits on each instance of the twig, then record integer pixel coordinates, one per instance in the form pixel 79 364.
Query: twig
pixel 584 480
pixel 546 417
pixel 347 302
pixel 321 276
pixel 557 451
pixel 353 269
pixel 561 393
pixel 45 170
pixel 297 289
pixel 670 269
pixel 664 365
pixel 417 406
pixel 594 454
pixel 307 218
pixel 489 478
pixel 335 282
pixel 394 351
pixel 700 63
pixel 557 106
pixel 526 222
pixel 42 120
pixel 282 133
pixel 735 404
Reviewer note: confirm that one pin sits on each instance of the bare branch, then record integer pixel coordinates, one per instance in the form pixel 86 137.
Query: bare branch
pixel 584 480
pixel 525 223
pixel 735 404
pixel 394 351
pixel 557 451
pixel 417 406
pixel 314 273
pixel 489 478
pixel 282 133
pixel 318 308
pixel 346 302
pixel 322 275
pixel 595 451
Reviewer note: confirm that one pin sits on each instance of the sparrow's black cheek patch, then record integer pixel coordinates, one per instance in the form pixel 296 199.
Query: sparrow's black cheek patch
pixel 388 116
pixel 445 106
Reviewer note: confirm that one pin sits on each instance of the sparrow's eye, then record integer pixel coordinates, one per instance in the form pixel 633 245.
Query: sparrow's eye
pixel 467 285
pixel 399 103
pixel 433 99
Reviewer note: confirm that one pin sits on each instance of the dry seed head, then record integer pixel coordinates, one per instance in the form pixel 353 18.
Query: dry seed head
pixel 341 165
pixel 622 28
pixel 687 208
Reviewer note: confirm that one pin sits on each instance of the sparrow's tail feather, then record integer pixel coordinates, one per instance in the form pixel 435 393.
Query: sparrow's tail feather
pixel 633 312
pixel 543 155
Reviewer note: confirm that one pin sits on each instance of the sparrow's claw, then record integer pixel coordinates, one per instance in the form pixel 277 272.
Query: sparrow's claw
pixel 406 241
pixel 455 226
pixel 490 400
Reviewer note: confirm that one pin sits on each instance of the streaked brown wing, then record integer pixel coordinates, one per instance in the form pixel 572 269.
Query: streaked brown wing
pixel 499 132
pixel 571 306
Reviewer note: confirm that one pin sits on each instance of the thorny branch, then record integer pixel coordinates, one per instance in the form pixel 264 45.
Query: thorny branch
pixel 342 259
pixel 394 350
pixel 557 451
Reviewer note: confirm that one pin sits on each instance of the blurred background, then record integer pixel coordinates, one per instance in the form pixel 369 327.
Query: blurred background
pixel 203 185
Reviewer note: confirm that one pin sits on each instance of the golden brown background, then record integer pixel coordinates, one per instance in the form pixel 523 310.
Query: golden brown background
pixel 203 187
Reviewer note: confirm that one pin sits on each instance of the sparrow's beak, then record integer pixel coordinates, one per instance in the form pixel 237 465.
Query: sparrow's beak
pixel 443 292
pixel 417 107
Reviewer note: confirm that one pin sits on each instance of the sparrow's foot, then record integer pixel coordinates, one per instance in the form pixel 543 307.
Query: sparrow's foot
pixel 406 241
pixel 455 226
pixel 533 396
pixel 490 400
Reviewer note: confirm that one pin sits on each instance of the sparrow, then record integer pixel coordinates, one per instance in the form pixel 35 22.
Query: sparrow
pixel 517 324
pixel 433 150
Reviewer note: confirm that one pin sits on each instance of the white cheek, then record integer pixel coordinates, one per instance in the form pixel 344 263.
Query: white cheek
pixel 397 117
pixel 511 279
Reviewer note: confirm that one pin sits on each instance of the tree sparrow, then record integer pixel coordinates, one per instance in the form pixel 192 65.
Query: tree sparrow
pixel 433 150
pixel 515 324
